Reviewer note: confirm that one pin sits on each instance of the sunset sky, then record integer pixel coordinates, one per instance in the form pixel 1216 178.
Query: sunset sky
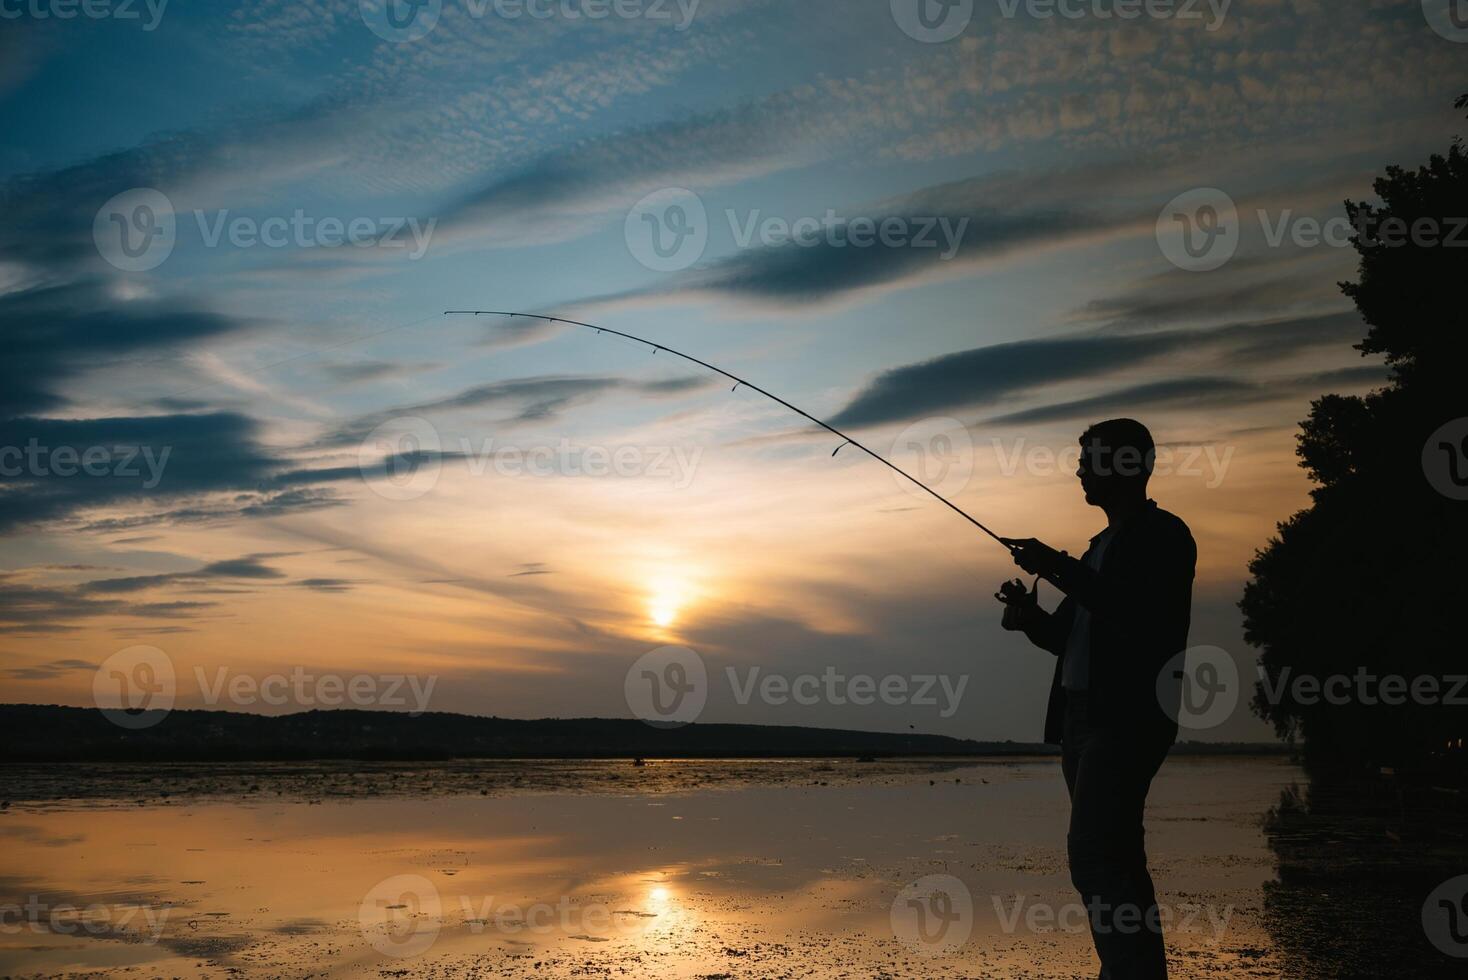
pixel 530 153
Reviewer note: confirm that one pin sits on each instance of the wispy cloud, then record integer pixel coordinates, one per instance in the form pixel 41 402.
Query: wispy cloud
pixel 986 376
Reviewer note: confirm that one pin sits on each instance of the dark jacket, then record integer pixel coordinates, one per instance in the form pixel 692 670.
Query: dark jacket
pixel 1140 603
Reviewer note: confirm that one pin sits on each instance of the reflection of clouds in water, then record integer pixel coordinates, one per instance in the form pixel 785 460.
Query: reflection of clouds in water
pixel 681 879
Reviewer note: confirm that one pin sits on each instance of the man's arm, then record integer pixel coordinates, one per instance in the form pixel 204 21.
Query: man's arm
pixel 1162 569
pixel 1165 565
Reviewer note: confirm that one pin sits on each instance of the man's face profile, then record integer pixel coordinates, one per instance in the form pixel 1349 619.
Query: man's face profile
pixel 1105 471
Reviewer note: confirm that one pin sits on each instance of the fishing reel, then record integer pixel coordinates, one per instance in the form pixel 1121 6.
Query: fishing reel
pixel 1018 602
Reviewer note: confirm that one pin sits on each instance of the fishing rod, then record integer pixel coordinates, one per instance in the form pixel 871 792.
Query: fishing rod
pixel 740 382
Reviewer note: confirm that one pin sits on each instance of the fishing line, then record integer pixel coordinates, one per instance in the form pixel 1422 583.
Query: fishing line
pixel 741 383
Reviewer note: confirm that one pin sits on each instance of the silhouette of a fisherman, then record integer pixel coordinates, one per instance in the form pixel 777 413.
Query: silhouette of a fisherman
pixel 1125 615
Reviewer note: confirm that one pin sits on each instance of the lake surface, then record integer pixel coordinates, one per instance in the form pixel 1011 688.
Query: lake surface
pixel 767 868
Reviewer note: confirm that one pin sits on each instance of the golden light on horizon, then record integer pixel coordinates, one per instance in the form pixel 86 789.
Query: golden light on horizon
pixel 667 595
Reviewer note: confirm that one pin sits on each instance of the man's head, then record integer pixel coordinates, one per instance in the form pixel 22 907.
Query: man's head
pixel 1116 461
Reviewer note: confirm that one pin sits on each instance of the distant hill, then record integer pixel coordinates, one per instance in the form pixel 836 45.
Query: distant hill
pixel 51 733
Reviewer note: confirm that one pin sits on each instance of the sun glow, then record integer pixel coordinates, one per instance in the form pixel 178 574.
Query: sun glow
pixel 668 596
pixel 665 601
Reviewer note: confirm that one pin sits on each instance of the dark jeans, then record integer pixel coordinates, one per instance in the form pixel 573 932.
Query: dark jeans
pixel 1108 773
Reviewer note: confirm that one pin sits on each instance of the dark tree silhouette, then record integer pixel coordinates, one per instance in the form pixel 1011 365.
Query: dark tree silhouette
pixel 1369 581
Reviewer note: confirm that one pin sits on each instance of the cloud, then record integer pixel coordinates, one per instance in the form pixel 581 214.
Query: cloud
pixel 232 506
pixel 1194 393
pixel 327 584
pixel 357 372
pixel 940 230
pixel 533 399
pixel 33 609
pixel 987 375
pixel 50 670
pixel 55 334
pixel 570 191
pixel 138 462
pixel 30 609
pixel 1259 284
pixel 1198 392
pixel 247 567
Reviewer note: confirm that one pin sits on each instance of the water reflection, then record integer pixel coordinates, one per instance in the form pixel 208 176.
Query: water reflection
pixel 750 881
pixel 1355 865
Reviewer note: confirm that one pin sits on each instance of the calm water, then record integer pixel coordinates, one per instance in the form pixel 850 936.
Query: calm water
pixel 678 869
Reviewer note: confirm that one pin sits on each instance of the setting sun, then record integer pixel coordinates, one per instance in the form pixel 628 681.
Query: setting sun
pixel 666 599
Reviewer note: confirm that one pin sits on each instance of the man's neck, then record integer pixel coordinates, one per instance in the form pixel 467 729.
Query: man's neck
pixel 1122 511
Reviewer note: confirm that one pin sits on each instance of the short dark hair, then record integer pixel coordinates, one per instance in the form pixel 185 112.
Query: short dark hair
pixel 1132 451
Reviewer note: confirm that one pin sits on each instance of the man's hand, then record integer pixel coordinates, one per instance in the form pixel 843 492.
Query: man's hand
pixel 1034 556
pixel 1020 604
